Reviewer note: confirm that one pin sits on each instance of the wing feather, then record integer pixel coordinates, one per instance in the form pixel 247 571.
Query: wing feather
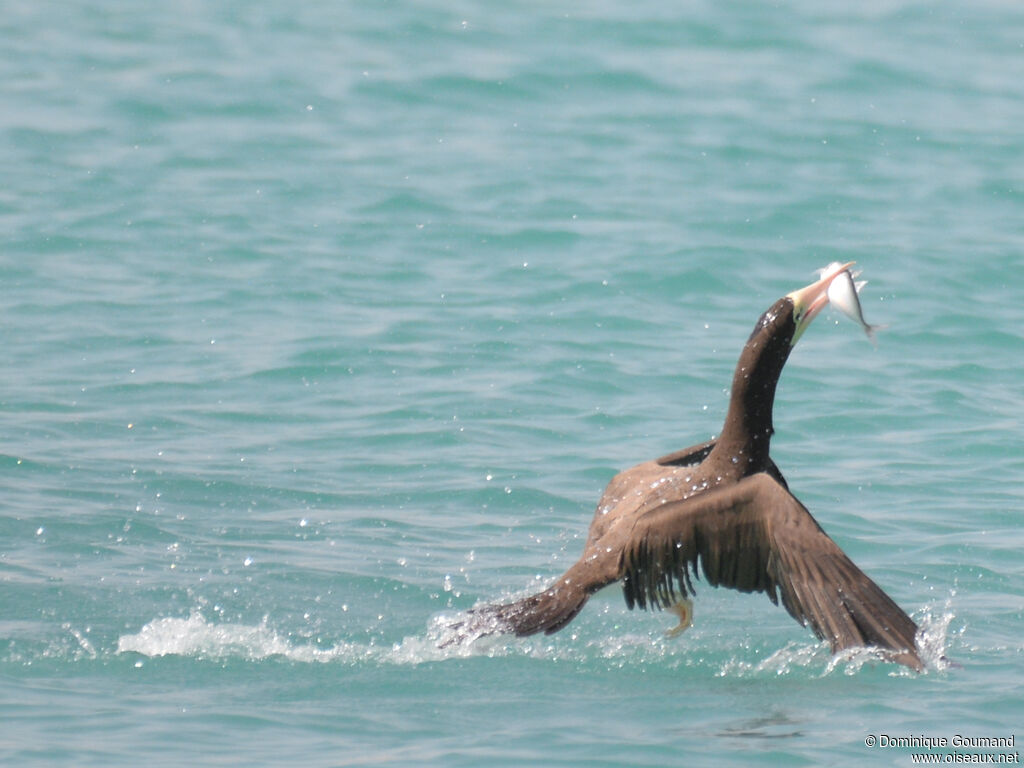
pixel 756 536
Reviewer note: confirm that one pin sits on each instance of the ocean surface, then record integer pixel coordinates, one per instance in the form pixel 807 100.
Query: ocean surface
pixel 321 323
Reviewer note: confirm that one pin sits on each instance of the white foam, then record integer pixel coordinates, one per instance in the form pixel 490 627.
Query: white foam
pixel 932 646
pixel 933 635
pixel 195 637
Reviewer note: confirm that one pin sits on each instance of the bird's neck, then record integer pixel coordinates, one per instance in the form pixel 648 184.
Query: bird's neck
pixel 746 436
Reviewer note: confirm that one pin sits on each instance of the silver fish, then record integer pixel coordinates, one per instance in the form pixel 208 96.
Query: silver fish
pixel 843 294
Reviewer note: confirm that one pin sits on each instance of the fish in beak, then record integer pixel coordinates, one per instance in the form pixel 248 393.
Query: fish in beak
pixel 810 300
pixel 843 293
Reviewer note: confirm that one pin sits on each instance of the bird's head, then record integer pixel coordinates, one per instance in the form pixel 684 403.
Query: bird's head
pixel 788 318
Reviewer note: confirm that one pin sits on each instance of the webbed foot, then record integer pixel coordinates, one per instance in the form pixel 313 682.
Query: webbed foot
pixel 683 609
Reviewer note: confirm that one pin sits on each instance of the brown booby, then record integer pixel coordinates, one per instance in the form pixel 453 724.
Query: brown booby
pixel 724 505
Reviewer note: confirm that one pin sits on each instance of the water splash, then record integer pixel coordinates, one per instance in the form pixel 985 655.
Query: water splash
pixel 782 662
pixel 933 636
pixel 196 637
pixel 932 645
pixel 86 648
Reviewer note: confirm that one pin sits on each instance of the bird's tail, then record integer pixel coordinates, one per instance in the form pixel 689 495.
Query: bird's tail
pixel 546 611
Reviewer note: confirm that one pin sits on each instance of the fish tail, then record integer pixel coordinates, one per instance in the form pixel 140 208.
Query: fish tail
pixel 871 330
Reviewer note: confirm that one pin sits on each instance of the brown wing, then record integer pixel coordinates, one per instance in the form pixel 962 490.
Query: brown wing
pixel 755 536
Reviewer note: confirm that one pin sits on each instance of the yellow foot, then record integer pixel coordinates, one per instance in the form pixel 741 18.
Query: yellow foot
pixel 683 609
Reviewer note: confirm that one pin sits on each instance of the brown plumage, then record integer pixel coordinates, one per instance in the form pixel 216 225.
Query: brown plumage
pixel 723 506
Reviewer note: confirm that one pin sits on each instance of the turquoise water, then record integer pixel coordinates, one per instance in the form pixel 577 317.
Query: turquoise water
pixel 321 323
